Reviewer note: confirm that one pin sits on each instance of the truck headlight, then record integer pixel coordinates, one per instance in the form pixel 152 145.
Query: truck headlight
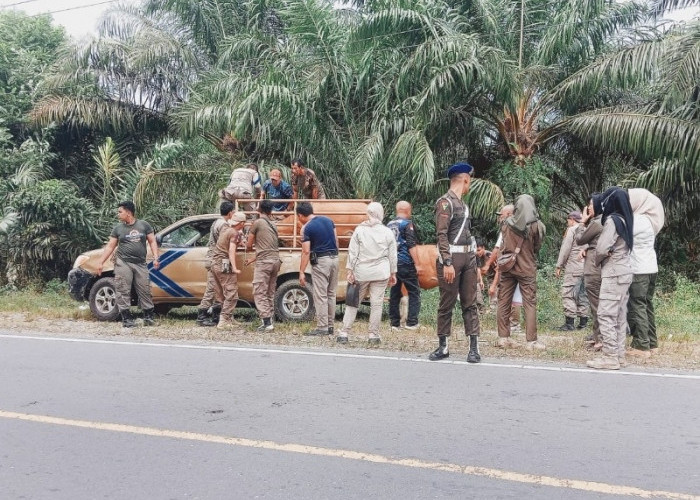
pixel 80 260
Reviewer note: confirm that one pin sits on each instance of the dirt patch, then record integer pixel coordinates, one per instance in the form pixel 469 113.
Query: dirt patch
pixel 568 348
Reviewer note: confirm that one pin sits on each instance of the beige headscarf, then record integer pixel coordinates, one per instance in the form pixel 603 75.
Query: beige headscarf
pixel 375 213
pixel 525 213
pixel 645 203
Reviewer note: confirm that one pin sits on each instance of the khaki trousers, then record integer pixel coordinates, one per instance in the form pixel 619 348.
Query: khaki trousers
pixel 465 286
pixel 209 297
pixel 593 293
pixel 612 313
pixel 324 279
pixel 264 287
pixel 506 290
pixel 128 275
pixel 226 290
pixel 573 296
pixel 376 290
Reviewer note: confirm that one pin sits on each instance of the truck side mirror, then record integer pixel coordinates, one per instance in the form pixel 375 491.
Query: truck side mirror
pixel 159 239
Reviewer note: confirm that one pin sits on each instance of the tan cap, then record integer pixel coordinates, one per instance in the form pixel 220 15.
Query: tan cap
pixel 237 218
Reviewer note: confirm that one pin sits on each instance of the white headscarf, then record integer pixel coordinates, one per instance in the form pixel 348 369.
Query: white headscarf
pixel 375 213
pixel 645 203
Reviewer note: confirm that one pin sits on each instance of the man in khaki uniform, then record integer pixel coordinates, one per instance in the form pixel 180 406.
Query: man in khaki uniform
pixel 223 263
pixel 587 234
pixel 208 302
pixel 263 234
pixel 573 292
pixel 456 266
pixel 305 183
pixel 244 185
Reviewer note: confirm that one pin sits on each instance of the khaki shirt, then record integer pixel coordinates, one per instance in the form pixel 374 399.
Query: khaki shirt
pixel 305 184
pixel 526 262
pixel 246 179
pixel 214 236
pixel 266 240
pixel 587 236
pixel 450 212
pixel 569 253
pixel 612 252
pixel 221 248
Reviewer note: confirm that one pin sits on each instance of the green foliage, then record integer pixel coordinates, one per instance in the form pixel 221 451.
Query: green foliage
pixel 28 45
pixel 53 224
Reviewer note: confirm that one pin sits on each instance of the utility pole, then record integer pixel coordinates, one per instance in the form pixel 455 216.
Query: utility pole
pixel 522 31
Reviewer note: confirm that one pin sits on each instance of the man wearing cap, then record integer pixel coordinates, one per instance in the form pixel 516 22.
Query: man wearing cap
pixel 223 264
pixel 456 266
pixel 573 291
pixel 277 189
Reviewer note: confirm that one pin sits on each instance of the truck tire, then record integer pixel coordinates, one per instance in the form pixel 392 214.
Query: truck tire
pixel 294 302
pixel 103 300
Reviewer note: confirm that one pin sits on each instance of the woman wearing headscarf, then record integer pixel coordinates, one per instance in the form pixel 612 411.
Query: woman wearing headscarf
pixel 523 234
pixel 587 235
pixel 371 265
pixel 613 254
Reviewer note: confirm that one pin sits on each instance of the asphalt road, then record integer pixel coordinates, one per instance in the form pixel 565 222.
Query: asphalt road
pixel 91 419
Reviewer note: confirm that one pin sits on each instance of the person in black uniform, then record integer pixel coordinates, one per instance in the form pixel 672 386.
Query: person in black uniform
pixel 456 266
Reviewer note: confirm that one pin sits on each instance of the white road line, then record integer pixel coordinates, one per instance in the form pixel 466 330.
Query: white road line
pixel 334 354
pixel 497 474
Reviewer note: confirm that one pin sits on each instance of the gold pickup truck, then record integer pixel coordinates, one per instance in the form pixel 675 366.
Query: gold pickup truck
pixel 182 277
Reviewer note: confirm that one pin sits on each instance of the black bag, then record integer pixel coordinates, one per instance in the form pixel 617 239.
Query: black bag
pixel 352 295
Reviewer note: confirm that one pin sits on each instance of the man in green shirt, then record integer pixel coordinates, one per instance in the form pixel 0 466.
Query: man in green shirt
pixel 129 238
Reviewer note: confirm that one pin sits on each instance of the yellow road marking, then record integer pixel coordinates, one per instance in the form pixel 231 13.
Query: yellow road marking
pixel 499 474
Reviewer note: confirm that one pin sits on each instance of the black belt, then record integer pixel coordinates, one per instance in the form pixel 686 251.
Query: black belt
pixel 330 253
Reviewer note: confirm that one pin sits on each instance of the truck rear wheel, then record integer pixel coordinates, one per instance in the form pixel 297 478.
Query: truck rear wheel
pixel 294 302
pixel 103 300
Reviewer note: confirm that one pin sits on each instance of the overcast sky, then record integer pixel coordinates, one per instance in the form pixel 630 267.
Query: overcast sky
pixel 82 19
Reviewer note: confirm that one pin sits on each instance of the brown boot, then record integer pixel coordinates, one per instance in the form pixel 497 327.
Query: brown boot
pixel 604 363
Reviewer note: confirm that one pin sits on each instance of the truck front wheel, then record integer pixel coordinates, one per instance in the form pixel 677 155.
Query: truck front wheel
pixel 103 300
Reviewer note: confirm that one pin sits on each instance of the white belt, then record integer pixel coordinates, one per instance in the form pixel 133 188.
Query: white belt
pixel 461 248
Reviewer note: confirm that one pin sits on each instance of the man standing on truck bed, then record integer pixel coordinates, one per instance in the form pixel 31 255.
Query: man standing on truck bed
pixel 129 239
pixel 320 247
pixel 244 185
pixel 305 183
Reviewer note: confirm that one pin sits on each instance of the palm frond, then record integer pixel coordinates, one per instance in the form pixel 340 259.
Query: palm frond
pixel 412 155
pixel 641 135
pixel 484 199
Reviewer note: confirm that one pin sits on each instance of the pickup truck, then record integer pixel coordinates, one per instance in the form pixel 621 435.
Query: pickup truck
pixel 181 278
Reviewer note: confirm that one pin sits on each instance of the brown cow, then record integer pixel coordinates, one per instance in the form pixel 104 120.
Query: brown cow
pixel 346 214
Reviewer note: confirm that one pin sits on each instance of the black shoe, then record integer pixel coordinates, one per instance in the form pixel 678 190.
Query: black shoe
pixel 202 317
pixel 127 319
pixel 568 325
pixel 582 323
pixel 149 317
pixel 473 356
pixel 374 341
pixel 440 353
pixel 215 315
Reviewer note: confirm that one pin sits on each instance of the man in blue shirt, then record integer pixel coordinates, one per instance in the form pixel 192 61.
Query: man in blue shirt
pixel 277 189
pixel 406 275
pixel 319 245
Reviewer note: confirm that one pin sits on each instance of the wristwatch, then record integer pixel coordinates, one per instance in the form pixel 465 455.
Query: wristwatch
pixel 448 262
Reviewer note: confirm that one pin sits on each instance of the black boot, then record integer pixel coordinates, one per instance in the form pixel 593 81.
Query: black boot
pixel 582 322
pixel 149 318
pixel 473 356
pixel 266 326
pixel 442 351
pixel 568 326
pixel 127 319
pixel 203 318
pixel 215 315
